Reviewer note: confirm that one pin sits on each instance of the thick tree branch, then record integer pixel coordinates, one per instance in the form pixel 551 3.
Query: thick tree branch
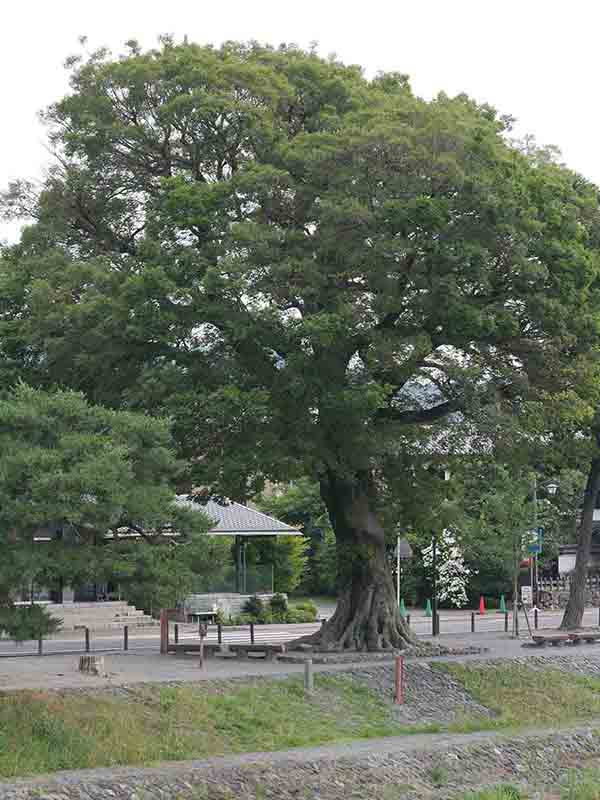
pixel 420 416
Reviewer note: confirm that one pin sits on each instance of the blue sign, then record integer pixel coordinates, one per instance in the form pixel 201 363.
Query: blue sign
pixel 534 549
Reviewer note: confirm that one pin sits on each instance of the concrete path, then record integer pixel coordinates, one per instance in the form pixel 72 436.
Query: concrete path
pixel 61 671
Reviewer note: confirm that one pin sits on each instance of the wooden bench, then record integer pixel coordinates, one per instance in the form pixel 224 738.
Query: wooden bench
pixel 265 650
pixel 555 639
pixel 181 648
pixel 586 636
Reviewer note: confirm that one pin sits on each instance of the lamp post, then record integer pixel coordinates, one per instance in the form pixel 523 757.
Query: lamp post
pixel 552 488
pixel 403 553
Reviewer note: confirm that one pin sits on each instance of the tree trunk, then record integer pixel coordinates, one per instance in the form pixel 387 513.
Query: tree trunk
pixel 367 615
pixel 575 607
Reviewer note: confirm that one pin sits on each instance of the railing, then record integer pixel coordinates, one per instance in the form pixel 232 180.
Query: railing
pixel 181 633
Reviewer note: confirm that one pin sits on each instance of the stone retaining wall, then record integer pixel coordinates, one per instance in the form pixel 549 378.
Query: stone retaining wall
pixel 555 593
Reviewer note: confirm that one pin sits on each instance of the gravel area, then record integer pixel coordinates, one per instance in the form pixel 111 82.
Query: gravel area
pixel 430 695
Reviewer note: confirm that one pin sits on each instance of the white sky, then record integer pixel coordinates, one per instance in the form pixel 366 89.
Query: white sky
pixel 534 59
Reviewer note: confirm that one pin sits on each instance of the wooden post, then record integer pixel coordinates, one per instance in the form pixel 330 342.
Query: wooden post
pixel 202 630
pixel 87 640
pixel 472 622
pixel 535 618
pixel 126 638
pixel 506 622
pixel 309 681
pixel 40 646
pixel 164 631
pixel 399 690
pixel 219 633
pixel 176 633
pixel 251 633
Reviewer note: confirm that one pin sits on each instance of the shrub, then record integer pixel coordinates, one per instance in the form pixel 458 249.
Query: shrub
pixel 254 606
pixel 297 614
pixel 24 623
pixel 308 606
pixel 279 605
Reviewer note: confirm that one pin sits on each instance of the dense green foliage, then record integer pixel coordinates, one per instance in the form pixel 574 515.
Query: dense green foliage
pixel 276 610
pixel 300 504
pixel 303 268
pixel 72 474
pixel 41 734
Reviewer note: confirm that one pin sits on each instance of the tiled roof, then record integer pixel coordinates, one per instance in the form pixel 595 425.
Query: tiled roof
pixel 234 519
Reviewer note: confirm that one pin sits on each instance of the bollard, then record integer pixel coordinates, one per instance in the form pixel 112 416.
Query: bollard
pixel 40 646
pixel 176 633
pixel 472 622
pixel 87 640
pixel 437 624
pixel 535 618
pixel 408 620
pixel 506 622
pixel 251 633
pixel 126 637
pixel 399 695
pixel 164 631
pixel 202 631
pixel 309 681
pixel 219 633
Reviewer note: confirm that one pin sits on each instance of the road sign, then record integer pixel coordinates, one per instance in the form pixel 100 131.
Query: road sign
pixel 527 595
pixel 534 549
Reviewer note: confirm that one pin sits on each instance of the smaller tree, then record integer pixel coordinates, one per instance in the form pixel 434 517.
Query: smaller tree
pixel 452 574
pixel 74 478
pixel 505 516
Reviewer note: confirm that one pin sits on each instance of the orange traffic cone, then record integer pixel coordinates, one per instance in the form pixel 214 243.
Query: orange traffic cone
pixel 481 605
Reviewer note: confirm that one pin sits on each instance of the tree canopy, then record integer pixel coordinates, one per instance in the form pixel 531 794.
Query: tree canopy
pixel 304 268
pixel 74 478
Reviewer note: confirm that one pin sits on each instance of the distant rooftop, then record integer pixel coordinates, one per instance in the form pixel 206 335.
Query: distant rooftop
pixel 234 519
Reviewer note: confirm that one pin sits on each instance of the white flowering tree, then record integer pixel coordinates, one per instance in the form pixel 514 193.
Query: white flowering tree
pixel 452 573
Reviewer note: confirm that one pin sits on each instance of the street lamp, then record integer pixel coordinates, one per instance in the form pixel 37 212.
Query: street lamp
pixel 403 553
pixel 551 488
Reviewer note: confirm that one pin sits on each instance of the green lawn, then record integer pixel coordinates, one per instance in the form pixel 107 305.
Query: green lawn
pixel 525 697
pixel 577 785
pixel 45 732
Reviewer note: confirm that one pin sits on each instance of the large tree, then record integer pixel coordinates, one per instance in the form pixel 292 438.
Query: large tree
pixel 305 268
pixel 74 478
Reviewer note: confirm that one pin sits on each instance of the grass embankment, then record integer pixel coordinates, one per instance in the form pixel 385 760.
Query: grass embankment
pixel 577 785
pixel 42 732
pixel 526 697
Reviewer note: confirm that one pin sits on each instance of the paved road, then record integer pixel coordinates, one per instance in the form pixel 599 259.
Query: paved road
pixel 454 623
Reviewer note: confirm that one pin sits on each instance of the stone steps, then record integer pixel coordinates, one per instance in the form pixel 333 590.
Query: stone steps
pixel 99 616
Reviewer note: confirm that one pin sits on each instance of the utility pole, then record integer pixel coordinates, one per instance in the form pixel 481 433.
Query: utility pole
pixel 398 570
pixel 534 563
pixel 434 605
